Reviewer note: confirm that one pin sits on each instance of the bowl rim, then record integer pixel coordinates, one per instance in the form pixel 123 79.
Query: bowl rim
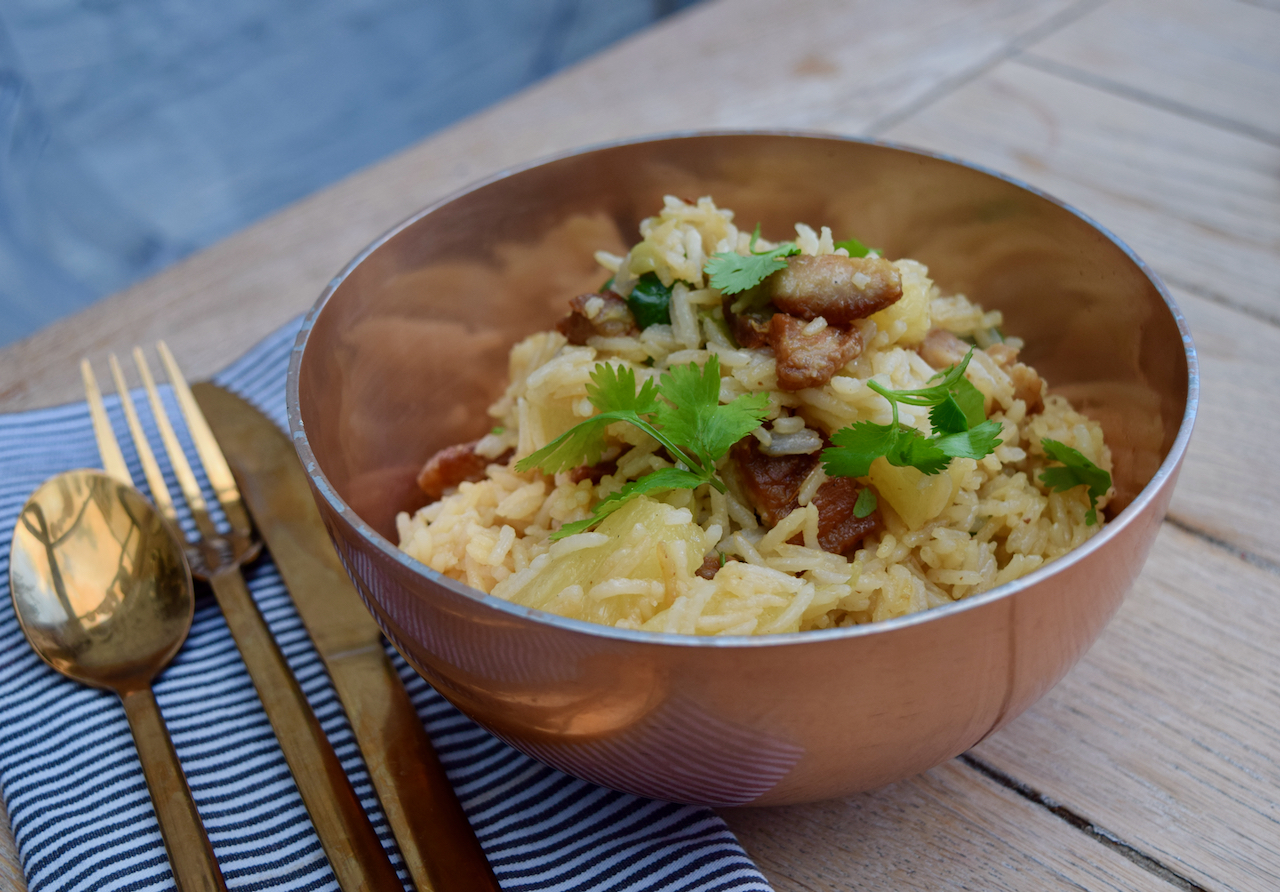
pixel 1168 467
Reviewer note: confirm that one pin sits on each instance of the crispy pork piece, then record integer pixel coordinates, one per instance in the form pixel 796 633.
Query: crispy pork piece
pixel 839 530
pixel 451 466
pixel 1027 385
pixel 839 289
pixel 1003 354
pixel 594 473
pixel 603 314
pixel 710 566
pixel 773 485
pixel 809 360
pixel 940 348
pixel 749 328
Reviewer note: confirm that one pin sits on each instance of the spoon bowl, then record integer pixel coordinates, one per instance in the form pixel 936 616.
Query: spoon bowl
pixel 103 592
pixel 100 584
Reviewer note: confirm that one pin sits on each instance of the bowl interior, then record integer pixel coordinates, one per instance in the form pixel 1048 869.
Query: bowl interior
pixel 409 346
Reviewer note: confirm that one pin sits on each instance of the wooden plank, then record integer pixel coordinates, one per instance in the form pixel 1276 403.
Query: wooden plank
pixel 1227 489
pixel 11 878
pixel 1200 203
pixel 796 65
pixel 907 837
pixel 1216 59
pixel 1166 732
pixel 693 70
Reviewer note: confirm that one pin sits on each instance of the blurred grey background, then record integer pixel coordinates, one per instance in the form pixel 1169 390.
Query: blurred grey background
pixel 133 132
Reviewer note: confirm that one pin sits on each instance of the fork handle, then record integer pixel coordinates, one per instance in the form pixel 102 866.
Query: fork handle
pixel 356 855
pixel 190 856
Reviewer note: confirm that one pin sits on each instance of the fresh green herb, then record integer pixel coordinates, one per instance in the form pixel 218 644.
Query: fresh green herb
pixel 857 248
pixel 960 429
pixel 731 272
pixel 650 301
pixel 722 557
pixel 498 431
pixel 682 412
pixel 866 503
pixel 1078 471
pixel 656 481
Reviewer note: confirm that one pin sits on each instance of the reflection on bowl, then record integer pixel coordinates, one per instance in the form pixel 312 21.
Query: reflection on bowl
pixel 407 347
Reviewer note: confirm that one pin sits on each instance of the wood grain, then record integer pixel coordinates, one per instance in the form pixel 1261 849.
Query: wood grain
pixel 693 70
pixel 1225 489
pixel 11 878
pixel 1166 733
pixel 1212 59
pixel 907 837
pixel 1199 203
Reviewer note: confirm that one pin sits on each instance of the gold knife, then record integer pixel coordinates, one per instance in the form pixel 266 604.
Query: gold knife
pixel 435 838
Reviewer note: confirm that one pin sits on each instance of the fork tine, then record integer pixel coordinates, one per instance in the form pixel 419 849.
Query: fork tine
pixel 215 464
pixel 150 469
pixel 108 447
pixel 177 458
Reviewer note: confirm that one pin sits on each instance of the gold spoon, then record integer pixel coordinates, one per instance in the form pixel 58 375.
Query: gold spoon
pixel 103 593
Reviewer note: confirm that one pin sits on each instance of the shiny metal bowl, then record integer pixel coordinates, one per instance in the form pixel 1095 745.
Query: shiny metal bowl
pixel 406 348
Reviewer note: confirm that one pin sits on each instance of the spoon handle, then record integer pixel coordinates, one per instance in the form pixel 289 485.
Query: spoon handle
pixel 190 855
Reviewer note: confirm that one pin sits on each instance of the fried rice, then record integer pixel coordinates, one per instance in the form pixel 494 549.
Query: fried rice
pixel 940 538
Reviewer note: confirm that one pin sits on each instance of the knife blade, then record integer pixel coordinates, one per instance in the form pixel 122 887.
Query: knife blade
pixel 436 840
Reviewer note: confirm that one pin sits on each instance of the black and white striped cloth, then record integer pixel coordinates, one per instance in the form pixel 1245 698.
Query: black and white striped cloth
pixel 74 789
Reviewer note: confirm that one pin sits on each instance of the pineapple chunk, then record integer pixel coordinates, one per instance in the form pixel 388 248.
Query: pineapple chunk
pixel 907 321
pixel 554 417
pixel 917 497
pixel 615 573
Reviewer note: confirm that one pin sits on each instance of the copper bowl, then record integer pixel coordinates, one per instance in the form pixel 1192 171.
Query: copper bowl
pixel 407 346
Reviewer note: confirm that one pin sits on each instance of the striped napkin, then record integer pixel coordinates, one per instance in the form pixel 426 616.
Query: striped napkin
pixel 74 790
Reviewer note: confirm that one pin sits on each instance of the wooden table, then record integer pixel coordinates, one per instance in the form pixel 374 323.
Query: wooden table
pixel 1156 763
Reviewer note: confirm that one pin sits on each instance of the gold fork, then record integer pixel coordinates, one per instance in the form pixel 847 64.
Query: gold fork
pixel 354 851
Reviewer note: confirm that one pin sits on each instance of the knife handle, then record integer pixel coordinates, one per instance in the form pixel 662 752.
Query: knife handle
pixel 356 855
pixel 436 840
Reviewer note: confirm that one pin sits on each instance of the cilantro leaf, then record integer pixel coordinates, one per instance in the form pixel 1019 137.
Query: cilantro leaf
pixel 578 526
pixel 663 479
pixel 732 272
pixel 857 248
pixel 1078 471
pixel 682 412
pixel 613 391
pixel 855 447
pixel 695 417
pixel 977 442
pixel 866 503
pixel 956 416
pixel 970 400
pixel 650 301
pixel 913 449
pixel 948 417
pixel 582 444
